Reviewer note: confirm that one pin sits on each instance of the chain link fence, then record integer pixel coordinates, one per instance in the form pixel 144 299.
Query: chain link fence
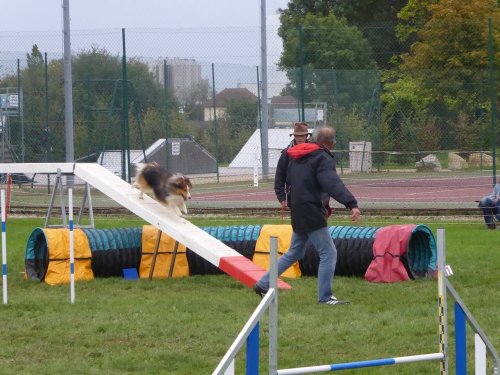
pixel 389 112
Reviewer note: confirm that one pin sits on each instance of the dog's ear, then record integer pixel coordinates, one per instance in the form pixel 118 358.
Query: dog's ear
pixel 177 179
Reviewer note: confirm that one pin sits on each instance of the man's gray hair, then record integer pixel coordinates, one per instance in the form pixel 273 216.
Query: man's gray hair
pixel 323 135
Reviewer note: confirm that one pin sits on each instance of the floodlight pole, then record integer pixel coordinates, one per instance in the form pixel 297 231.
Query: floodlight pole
pixel 265 114
pixel 491 64
pixel 68 91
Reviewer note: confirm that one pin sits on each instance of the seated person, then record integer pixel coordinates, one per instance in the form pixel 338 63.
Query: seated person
pixel 490 205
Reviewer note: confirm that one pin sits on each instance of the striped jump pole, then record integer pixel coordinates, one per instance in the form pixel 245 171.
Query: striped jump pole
pixel 71 246
pixel 442 305
pixel 4 249
pixel 362 364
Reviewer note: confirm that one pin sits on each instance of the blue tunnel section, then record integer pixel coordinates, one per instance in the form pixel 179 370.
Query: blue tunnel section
pixel 354 250
pixel 114 250
pixel 238 237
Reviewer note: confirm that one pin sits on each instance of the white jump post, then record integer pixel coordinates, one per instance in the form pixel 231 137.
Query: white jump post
pixel 442 305
pixel 251 328
pixel 256 164
pixel 4 249
pixel 479 355
pixel 71 246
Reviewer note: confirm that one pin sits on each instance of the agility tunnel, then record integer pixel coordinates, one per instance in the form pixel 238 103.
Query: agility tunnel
pixel 380 254
pixel 101 253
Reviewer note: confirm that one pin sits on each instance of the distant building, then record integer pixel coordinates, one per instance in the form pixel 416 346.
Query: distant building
pixel 223 99
pixel 183 76
pixel 177 155
pixel 285 110
pixel 273 88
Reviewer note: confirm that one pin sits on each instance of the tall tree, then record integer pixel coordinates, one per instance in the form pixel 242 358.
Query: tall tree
pixel 330 48
pixel 33 84
pixel 97 98
pixel 375 18
pixel 34 58
pixel 443 77
pixel 453 49
pixel 455 36
pixel 412 18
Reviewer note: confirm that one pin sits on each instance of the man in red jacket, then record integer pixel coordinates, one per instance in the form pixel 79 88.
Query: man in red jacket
pixel 311 172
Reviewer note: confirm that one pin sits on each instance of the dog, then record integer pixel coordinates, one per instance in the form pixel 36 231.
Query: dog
pixel 170 189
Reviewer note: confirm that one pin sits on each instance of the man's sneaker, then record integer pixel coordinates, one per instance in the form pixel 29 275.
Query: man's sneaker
pixel 491 226
pixel 333 301
pixel 260 291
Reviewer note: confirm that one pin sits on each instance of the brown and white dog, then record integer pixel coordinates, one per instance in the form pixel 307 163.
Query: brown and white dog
pixel 170 189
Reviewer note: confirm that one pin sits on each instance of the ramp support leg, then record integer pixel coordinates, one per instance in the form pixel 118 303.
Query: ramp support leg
pixel 172 262
pixel 58 184
pixel 155 254
pixel 86 198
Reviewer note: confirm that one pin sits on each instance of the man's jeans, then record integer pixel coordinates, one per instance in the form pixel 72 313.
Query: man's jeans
pixel 490 209
pixel 323 244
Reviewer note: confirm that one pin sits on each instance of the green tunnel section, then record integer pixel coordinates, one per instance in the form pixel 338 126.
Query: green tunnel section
pixel 116 249
pixel 36 259
pixel 421 252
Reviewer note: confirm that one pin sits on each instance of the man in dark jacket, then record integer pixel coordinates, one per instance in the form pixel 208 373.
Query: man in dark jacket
pixel 300 134
pixel 311 171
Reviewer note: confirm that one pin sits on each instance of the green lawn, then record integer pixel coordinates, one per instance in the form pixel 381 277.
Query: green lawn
pixel 185 326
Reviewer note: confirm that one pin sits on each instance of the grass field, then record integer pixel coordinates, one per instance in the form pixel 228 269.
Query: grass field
pixel 185 326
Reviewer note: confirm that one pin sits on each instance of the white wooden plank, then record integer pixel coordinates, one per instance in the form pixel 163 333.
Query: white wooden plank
pixel 151 211
pixel 30 168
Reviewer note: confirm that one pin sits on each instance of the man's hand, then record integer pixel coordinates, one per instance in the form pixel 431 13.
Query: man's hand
pixel 355 214
pixel 283 205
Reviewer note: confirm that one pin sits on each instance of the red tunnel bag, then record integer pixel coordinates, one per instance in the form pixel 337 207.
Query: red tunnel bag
pixel 389 248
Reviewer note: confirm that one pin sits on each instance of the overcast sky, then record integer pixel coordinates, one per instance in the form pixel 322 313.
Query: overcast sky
pixel 208 31
pixel 46 15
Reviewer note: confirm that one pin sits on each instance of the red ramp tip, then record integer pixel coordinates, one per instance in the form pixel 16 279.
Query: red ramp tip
pixel 244 270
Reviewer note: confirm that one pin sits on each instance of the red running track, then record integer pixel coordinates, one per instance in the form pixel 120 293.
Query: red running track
pixel 441 189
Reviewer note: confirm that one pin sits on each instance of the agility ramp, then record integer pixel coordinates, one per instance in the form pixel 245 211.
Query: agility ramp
pixel 211 249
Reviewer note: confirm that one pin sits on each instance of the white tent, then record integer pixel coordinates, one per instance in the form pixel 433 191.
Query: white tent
pixel 112 160
pixel 250 153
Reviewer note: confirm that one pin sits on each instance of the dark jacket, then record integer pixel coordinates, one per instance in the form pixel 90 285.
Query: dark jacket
pixel 280 187
pixel 311 171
